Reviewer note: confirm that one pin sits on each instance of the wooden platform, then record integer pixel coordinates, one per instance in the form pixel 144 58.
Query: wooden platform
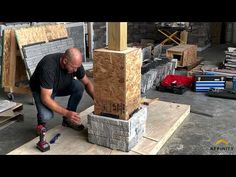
pixel 163 119
pixel 13 113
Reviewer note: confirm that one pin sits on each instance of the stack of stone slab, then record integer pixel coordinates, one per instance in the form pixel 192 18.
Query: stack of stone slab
pixel 117 133
pixel 156 73
pixel 34 53
pixel 230 58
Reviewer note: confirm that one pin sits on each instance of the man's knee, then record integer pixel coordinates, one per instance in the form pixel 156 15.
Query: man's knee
pixel 78 87
pixel 45 115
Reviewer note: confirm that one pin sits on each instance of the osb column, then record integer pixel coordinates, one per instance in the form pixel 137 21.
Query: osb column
pixel 117 82
pixel 117 76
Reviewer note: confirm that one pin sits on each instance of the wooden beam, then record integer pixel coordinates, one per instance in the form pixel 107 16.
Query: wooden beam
pixel 90 38
pixel 117 36
pixel 12 59
pixel 184 37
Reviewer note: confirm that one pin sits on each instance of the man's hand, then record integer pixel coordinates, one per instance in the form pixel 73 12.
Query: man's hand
pixel 53 105
pixel 73 117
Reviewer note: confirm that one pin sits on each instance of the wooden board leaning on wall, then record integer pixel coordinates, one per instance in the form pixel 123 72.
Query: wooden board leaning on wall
pixel 13 68
pixel 38 34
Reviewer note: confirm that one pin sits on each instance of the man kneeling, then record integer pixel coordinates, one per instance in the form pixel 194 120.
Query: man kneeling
pixel 60 74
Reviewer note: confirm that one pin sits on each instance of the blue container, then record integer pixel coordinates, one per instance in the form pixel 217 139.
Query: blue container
pixel 234 83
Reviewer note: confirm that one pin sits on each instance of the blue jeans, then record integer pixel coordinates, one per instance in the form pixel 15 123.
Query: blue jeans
pixel 75 90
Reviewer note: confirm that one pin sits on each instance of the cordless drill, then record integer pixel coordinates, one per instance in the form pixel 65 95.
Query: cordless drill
pixel 42 145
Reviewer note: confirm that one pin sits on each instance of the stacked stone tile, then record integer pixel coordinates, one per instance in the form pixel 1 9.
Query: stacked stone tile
pixel 117 133
pixel 156 73
pixel 34 53
pixel 230 58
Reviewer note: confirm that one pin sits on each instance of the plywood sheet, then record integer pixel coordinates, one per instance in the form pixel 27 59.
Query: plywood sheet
pixel 160 126
pixel 40 34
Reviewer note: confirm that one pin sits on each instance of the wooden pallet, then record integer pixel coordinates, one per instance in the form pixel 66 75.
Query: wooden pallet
pixel 163 119
pixel 14 113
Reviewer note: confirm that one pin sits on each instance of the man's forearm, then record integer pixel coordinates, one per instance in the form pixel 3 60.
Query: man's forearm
pixel 90 89
pixel 54 106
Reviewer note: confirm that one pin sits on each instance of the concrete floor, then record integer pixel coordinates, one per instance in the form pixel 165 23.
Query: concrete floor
pixel 196 135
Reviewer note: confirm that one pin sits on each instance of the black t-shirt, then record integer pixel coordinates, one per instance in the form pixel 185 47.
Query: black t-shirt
pixel 49 74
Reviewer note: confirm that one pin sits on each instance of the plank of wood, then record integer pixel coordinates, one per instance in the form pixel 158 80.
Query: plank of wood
pixel 13 66
pixel 145 146
pixel 184 37
pixel 163 119
pixel 6 57
pixel 117 36
pixel 12 59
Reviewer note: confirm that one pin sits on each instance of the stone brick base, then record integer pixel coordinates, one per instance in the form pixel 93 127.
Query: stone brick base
pixel 116 133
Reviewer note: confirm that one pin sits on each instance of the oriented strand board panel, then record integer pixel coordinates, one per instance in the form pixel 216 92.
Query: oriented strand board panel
pixel 185 53
pixel 38 34
pixel 163 119
pixel 117 82
pixel 117 35
pixel 56 31
pixel 21 79
pixel 6 57
pixel 13 68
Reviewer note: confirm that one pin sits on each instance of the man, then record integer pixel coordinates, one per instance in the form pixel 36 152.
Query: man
pixel 55 76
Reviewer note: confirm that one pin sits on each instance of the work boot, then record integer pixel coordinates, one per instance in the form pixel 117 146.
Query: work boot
pixel 67 123
pixel 39 128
